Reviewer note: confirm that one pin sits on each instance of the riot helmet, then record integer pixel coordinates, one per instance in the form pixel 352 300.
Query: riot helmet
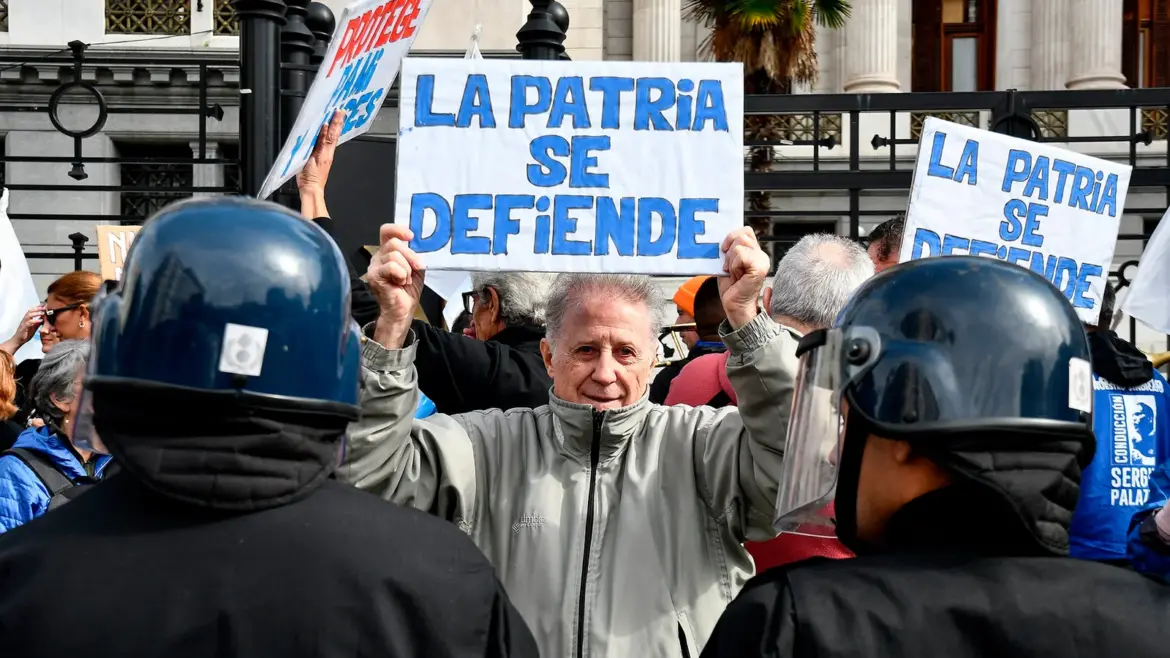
pixel 231 301
pixel 958 356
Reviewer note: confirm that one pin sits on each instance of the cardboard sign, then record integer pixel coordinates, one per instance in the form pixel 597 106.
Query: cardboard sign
pixel 369 44
pixel 113 245
pixel 542 166
pixel 1053 211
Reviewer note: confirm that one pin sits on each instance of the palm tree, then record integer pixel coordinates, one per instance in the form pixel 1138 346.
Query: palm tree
pixel 776 41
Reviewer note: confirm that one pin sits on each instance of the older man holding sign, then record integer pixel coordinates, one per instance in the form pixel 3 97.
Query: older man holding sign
pixel 616 525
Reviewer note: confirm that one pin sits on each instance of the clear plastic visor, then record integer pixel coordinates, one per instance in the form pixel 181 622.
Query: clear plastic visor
pixel 816 429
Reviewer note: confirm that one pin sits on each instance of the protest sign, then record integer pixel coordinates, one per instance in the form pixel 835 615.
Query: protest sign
pixel 1148 297
pixel 1054 211
pixel 570 166
pixel 369 44
pixel 16 285
pixel 113 245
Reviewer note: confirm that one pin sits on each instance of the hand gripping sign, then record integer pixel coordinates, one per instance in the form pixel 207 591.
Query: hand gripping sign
pixel 1053 211
pixel 371 40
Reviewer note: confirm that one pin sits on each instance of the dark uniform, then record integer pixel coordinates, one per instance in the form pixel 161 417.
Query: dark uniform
pixel 982 368
pixel 223 376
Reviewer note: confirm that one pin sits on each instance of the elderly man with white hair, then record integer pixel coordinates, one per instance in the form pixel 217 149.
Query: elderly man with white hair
pixel 616 525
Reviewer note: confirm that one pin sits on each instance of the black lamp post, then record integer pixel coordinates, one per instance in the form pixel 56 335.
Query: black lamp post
pixel 260 22
pixel 543 36
pixel 321 23
pixel 296 47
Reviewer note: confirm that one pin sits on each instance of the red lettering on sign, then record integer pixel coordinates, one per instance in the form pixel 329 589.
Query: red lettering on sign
pixel 351 30
pixel 394 9
pixel 355 44
pixel 405 27
pixel 368 34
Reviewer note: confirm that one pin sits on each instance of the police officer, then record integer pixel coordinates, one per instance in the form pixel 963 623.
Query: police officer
pixel 949 408
pixel 223 375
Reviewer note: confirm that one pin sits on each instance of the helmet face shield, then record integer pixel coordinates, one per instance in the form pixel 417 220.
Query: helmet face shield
pixel 84 434
pixel 816 427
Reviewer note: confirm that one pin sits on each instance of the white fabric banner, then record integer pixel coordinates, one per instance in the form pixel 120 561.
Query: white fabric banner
pixel 17 292
pixel 1053 211
pixel 1148 297
pixel 557 166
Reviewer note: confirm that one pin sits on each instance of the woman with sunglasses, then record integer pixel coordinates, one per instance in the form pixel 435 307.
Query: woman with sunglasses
pixel 63 316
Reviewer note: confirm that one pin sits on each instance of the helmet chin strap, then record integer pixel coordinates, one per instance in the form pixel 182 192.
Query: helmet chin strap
pixel 857 431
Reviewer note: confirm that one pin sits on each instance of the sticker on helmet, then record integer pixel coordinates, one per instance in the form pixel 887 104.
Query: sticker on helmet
pixel 1080 385
pixel 243 350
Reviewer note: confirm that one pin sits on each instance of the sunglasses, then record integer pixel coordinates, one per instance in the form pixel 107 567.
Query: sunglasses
pixel 51 313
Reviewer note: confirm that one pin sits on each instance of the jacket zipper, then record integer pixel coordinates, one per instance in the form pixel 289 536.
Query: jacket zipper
pixel 682 641
pixel 594 458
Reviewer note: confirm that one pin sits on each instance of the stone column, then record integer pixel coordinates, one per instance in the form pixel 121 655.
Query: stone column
pixel 657 30
pixel 1050 25
pixel 1096 44
pixel 871 47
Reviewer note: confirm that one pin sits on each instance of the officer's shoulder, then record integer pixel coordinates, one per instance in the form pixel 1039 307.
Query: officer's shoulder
pixel 370 519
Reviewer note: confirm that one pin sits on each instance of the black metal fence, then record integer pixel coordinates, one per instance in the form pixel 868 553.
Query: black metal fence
pixel 104 85
pixel 822 123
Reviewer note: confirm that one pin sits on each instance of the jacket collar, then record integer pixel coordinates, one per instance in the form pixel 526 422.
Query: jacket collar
pixel 575 426
pixel 522 336
pixel 59 451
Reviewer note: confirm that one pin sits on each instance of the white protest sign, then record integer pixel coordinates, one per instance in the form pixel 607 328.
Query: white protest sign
pixel 371 40
pixel 1054 211
pixel 1148 297
pixel 17 292
pixel 554 166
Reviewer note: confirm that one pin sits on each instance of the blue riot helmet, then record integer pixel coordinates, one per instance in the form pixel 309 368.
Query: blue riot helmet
pixel 959 356
pixel 233 302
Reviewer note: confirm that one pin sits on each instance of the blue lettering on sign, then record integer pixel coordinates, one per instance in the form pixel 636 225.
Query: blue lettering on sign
pixel 576 217
pixel 629 226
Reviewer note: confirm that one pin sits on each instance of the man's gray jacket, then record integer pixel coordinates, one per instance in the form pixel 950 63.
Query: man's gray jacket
pixel 617 534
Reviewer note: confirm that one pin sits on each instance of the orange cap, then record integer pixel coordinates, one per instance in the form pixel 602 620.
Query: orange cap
pixel 684 298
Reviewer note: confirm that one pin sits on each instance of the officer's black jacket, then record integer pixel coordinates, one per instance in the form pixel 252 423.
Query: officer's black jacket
pixel 236 545
pixel 959 581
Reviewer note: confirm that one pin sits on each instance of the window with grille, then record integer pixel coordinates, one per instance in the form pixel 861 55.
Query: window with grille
pixel 148 17
pixel 153 176
pixel 225 18
pixel 3 15
pixel 231 170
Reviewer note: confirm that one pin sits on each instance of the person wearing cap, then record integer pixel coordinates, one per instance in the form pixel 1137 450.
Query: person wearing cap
pixel 706 311
pixel 684 304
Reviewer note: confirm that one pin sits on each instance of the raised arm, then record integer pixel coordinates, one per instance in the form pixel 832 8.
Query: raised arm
pixel 738 455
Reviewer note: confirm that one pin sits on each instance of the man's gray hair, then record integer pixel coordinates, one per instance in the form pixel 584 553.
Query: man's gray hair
pixel 55 378
pixel 816 278
pixel 522 294
pixel 569 291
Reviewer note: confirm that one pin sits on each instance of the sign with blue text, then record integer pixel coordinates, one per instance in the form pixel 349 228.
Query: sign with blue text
pixel 1053 211
pixel 369 44
pixel 570 166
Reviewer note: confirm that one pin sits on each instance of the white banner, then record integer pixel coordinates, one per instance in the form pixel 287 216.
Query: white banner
pixel 553 166
pixel 1053 211
pixel 17 292
pixel 369 44
pixel 1148 297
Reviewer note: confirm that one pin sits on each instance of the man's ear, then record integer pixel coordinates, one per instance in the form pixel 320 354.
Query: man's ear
pixel 546 351
pixel 768 300
pixel 493 304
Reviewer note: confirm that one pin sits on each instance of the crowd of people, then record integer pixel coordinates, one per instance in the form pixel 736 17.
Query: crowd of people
pixel 245 448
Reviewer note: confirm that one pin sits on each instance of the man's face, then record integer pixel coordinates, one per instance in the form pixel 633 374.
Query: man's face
pixel 879 263
pixel 690 336
pixel 605 353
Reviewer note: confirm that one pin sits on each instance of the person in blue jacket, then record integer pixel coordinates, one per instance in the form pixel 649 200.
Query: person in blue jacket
pixel 1131 420
pixel 1149 532
pixel 23 494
